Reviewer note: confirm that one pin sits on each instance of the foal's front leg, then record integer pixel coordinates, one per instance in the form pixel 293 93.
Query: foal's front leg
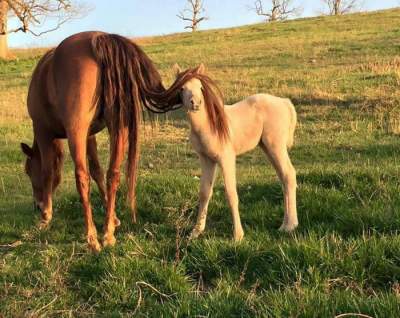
pixel 228 165
pixel 208 168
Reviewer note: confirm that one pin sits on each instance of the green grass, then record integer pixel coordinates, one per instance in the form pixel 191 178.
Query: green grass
pixel 343 75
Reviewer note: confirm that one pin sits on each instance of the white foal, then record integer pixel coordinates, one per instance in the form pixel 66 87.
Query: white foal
pixel 220 133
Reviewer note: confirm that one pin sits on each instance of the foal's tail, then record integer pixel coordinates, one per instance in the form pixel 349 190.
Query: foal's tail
pixel 125 71
pixel 293 122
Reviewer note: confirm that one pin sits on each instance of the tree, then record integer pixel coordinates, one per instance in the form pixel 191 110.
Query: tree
pixel 194 14
pixel 31 15
pixel 278 10
pixel 339 7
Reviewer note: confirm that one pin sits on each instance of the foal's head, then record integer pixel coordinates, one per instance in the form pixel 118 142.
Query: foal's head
pixel 200 93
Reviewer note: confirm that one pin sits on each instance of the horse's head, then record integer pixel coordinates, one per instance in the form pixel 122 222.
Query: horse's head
pixel 33 169
pixel 192 90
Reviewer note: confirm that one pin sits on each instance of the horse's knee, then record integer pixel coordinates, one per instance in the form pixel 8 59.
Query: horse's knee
pixel 82 179
pixel 113 177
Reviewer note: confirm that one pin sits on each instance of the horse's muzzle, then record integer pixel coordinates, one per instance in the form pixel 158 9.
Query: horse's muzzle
pixel 36 207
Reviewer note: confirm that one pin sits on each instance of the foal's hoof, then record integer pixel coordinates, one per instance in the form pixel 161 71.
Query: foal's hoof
pixel 94 245
pixel 237 237
pixel 288 227
pixel 195 234
pixel 109 240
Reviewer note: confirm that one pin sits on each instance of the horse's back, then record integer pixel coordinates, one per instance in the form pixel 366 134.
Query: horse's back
pixel 75 72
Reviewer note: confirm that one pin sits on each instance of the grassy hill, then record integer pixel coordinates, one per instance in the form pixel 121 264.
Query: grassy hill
pixel 343 75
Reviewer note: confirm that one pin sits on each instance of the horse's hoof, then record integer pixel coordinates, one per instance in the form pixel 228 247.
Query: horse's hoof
pixel 94 245
pixel 109 240
pixel 43 224
pixel 117 222
pixel 288 227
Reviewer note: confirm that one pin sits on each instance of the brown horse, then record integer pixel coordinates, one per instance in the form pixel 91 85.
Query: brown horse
pixel 92 80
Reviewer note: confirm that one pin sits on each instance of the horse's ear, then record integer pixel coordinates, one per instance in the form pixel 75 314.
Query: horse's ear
pixel 27 150
pixel 201 69
pixel 177 69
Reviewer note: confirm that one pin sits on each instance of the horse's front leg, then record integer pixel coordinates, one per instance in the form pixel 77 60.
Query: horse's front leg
pixel 117 147
pixel 77 140
pixel 47 156
pixel 228 165
pixel 208 168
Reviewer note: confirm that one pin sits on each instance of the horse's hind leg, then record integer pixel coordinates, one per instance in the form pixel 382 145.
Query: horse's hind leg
pixel 208 168
pixel 95 169
pixel 117 145
pixel 279 157
pixel 77 144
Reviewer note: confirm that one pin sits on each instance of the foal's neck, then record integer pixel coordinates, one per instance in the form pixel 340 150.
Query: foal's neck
pixel 199 121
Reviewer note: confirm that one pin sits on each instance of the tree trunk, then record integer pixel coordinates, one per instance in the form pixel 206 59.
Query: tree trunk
pixel 3 29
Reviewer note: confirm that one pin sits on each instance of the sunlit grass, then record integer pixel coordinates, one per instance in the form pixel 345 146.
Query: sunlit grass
pixel 343 76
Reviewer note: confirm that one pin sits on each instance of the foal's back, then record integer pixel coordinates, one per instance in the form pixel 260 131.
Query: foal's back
pixel 258 116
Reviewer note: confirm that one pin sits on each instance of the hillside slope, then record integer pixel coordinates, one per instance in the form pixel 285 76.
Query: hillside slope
pixel 351 60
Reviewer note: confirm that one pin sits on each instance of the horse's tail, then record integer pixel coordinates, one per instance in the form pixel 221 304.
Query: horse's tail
pixel 124 68
pixel 292 124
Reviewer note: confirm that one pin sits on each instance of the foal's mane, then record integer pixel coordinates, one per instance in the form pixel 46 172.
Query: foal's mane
pixel 213 101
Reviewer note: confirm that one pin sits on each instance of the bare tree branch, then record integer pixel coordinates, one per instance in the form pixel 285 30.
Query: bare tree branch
pixel 339 7
pixel 32 15
pixel 277 10
pixel 193 13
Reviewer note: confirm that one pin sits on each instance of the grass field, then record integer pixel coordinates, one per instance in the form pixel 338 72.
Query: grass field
pixel 343 75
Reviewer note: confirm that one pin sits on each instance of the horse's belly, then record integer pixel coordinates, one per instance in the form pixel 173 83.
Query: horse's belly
pixel 96 126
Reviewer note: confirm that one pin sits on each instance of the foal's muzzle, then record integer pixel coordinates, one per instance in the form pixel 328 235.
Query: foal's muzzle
pixel 194 107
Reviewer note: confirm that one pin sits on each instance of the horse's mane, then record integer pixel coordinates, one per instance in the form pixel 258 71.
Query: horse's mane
pixel 213 100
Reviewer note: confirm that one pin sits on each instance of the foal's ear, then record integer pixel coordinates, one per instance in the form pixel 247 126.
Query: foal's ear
pixel 177 69
pixel 27 150
pixel 201 69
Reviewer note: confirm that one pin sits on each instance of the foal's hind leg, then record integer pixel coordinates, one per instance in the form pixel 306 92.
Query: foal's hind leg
pixel 279 157
pixel 95 168
pixel 208 168
pixel 77 140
